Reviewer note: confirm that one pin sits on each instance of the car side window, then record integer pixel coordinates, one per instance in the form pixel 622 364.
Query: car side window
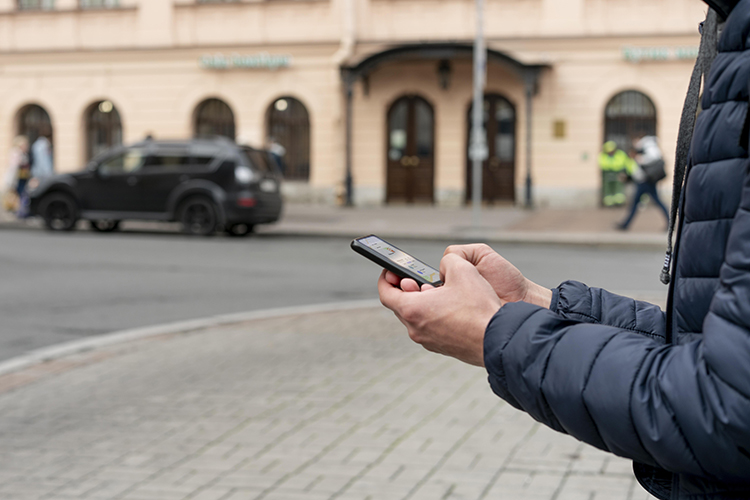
pixel 165 161
pixel 202 161
pixel 123 163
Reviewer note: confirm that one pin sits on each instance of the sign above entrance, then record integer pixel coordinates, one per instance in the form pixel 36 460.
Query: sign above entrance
pixel 639 54
pixel 263 60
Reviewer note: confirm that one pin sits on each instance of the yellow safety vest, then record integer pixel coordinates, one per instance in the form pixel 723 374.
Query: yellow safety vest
pixel 617 162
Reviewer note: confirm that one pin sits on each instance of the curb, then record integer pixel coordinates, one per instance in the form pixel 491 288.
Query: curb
pixel 649 241
pixel 632 240
pixel 47 354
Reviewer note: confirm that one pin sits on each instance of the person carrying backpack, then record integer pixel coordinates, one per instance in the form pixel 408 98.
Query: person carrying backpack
pixel 647 172
pixel 668 390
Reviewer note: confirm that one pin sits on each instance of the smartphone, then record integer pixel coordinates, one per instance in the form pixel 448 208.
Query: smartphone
pixel 396 260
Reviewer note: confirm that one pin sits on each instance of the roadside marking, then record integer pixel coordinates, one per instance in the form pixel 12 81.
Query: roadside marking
pixel 47 354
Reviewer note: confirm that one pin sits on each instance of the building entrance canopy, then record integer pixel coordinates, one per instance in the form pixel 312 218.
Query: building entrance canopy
pixel 436 51
pixel 361 71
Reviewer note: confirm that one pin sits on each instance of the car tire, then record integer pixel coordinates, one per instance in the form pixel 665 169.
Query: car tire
pixel 198 216
pixel 104 225
pixel 239 230
pixel 59 211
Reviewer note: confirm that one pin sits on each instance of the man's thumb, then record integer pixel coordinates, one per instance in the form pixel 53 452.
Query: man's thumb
pixel 453 267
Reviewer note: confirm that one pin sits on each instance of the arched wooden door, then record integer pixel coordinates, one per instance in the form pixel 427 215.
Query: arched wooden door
pixel 499 170
pixel 411 151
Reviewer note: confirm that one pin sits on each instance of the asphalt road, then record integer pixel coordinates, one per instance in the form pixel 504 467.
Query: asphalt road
pixel 58 287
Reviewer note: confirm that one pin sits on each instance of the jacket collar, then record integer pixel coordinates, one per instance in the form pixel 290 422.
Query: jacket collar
pixel 722 7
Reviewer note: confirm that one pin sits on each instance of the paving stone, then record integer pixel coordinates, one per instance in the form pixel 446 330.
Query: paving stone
pixel 328 406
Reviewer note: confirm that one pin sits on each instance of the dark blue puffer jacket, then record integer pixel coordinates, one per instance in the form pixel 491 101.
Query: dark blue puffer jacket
pixel 669 391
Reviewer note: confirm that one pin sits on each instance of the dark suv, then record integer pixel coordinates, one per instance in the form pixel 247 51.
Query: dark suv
pixel 206 184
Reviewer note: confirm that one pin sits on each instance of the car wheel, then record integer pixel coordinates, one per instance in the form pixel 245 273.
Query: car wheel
pixel 104 225
pixel 198 216
pixel 239 230
pixel 60 212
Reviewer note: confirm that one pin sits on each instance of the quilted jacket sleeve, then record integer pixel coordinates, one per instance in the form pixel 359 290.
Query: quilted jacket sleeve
pixel 682 408
pixel 574 300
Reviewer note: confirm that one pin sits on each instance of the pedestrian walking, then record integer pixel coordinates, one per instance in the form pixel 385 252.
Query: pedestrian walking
pixel 647 170
pixel 613 162
pixel 17 175
pixel 278 152
pixel 41 155
pixel 670 391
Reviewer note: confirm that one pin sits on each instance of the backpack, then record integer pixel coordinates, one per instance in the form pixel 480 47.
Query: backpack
pixel 654 171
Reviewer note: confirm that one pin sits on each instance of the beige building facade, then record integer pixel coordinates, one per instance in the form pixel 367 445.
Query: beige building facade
pixel 377 89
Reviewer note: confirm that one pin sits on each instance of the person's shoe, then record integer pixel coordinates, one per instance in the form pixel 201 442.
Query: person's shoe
pixel 621 227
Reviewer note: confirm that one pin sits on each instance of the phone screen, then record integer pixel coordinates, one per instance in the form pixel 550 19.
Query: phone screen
pixel 401 258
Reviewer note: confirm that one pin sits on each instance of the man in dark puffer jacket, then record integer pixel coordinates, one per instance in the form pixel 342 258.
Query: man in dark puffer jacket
pixel 669 391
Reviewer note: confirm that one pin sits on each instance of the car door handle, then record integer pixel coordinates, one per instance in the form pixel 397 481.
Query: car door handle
pixel 132 181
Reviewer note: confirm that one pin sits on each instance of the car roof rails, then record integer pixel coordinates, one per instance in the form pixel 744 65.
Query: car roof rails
pixel 214 138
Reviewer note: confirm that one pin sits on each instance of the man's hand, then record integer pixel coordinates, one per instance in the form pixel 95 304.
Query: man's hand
pixel 449 320
pixel 507 281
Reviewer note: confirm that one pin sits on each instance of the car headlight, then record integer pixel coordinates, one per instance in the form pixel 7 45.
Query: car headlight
pixel 244 175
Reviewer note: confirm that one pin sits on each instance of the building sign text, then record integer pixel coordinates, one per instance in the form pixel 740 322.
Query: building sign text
pixel 639 54
pixel 264 60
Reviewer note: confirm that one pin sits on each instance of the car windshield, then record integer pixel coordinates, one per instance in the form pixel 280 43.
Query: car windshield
pixel 123 163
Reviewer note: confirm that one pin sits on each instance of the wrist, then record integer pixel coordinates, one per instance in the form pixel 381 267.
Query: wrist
pixel 537 295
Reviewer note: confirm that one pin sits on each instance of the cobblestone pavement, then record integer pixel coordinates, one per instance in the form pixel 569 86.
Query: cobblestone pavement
pixel 323 406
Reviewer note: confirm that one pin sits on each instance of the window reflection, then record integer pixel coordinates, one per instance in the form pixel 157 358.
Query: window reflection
pixel 506 134
pixel 628 115
pixel 123 163
pixel 397 127
pixel 288 137
pixel 103 128
pixel 36 4
pixel 424 129
pixel 98 4
pixel 214 117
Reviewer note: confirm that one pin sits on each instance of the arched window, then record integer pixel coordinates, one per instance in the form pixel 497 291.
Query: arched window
pixel 36 4
pixel 288 137
pixel 103 128
pixel 214 117
pixel 628 115
pixel 33 121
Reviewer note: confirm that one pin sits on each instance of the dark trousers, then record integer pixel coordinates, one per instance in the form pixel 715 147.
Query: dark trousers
pixel 648 188
pixel 21 186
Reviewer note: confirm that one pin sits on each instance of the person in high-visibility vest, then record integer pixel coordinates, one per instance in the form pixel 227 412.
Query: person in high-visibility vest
pixel 613 162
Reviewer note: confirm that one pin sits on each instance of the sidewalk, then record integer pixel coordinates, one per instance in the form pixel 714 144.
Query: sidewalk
pixel 497 224
pixel 502 225
pixel 329 405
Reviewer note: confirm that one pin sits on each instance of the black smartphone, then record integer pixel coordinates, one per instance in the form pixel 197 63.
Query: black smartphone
pixel 396 260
